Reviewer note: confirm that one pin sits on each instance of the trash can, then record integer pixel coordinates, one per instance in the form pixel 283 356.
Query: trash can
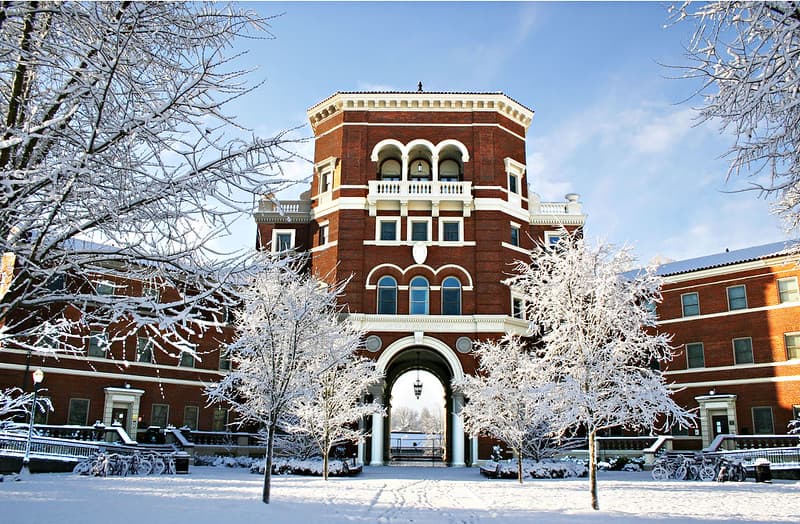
pixel 762 470
pixel 181 463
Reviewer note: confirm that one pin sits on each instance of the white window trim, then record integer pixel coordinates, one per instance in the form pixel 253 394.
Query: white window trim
pixel 733 349
pixel 326 167
pixel 786 346
pixel 427 220
pixel 442 221
pixel 550 234
pixel 276 232
pixel 322 225
pixel 396 221
pixel 516 296
pixel 728 297
pixel 683 310
pixel 686 351
pixel 517 170
pixel 778 286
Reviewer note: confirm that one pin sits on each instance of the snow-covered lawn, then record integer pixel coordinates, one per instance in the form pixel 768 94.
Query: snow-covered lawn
pixel 388 495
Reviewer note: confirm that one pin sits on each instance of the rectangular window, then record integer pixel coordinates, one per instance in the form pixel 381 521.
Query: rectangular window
pixel 98 344
pixel 690 303
pixel 187 360
pixel 224 360
pixel 144 349
pixel 795 412
pixel 190 416
pixel 152 292
pixel 787 289
pixel 743 350
pixel 514 236
pixel 284 241
pixel 104 288
pixel 737 298
pixel 419 231
pixel 517 308
pixel 220 420
pixel 513 184
pixel 388 230
pixel 792 341
pixel 762 421
pixel 78 414
pixel 160 415
pixel 552 239
pixel 695 357
pixel 451 231
pixel 323 235
pixel 325 182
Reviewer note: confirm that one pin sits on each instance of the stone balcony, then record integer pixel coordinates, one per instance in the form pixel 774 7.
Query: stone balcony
pixel 405 191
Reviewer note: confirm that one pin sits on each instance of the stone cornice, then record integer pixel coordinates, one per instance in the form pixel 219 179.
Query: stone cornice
pixel 439 323
pixel 421 101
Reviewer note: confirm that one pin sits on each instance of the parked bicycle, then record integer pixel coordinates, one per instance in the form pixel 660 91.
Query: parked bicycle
pixel 138 463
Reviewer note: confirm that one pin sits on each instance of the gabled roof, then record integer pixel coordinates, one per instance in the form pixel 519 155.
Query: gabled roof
pixel 727 258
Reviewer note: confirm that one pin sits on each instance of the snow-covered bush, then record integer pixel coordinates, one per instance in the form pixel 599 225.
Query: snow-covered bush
pixel 621 464
pixel 220 461
pixel 545 469
pixel 310 467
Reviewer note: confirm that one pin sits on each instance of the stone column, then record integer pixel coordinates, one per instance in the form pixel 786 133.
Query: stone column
pixel 377 434
pixel 458 431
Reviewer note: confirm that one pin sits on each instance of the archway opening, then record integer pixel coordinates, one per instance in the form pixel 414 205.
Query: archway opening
pixel 417 422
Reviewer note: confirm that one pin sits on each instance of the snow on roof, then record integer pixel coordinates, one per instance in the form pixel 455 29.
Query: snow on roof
pixel 727 258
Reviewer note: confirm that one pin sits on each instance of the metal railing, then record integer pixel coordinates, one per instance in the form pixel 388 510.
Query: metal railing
pixel 737 442
pixel 45 447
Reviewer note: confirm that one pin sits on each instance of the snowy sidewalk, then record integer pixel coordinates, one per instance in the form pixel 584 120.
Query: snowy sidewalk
pixel 388 495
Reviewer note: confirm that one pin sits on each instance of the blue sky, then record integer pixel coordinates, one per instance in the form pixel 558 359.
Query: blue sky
pixel 610 124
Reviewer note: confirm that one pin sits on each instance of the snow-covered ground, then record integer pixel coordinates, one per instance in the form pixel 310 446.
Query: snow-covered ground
pixel 388 495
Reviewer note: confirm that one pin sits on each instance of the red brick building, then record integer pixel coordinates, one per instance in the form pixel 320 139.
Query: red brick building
pixel 421 200
pixel 735 317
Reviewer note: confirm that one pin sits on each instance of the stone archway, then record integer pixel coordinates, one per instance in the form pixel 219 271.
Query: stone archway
pixel 436 358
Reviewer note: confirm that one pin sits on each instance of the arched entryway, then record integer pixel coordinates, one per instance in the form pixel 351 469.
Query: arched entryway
pixel 434 357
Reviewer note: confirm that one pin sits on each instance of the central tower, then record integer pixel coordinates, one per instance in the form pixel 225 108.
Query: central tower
pixel 420 199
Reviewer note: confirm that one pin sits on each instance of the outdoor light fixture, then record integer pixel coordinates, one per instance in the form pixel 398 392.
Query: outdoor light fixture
pixel 418 382
pixel 38 377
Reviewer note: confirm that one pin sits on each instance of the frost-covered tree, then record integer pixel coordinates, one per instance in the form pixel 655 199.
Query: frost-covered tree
pixel 285 334
pixel 597 330
pixel 747 58
pixel 119 162
pixel 332 407
pixel 405 418
pixel 509 399
pixel 430 422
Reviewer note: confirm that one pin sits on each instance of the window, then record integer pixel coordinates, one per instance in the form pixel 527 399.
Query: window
pixel 694 355
pixel 762 421
pixel 98 343
pixel 282 240
pixel 387 230
pixel 151 291
pixel 690 302
pixel 187 360
pixel 792 341
pixel 513 184
pixel 104 288
pixel 144 349
pixel 325 182
pixel 514 235
pixel 419 296
pixel 190 416
pixel 219 422
pixel 552 239
pixel 323 235
pixel 449 171
pixel 78 414
pixel 391 170
pixel 451 231
pixel 41 413
pixel 56 282
pixel 387 296
pixel 451 296
pixel 737 298
pixel 517 308
pixel 742 350
pixel 795 412
pixel 224 360
pixel 787 289
pixel 160 415
pixel 419 231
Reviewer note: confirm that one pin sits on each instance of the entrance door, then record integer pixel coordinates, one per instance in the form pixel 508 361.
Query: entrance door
pixel 719 424
pixel 120 416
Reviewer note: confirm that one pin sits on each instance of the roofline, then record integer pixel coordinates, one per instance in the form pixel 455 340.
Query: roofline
pixel 420 101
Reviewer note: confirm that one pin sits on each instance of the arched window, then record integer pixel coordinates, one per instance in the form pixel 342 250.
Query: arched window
pixel 391 169
pixel 449 171
pixel 387 296
pixel 418 293
pixel 451 296
pixel 420 169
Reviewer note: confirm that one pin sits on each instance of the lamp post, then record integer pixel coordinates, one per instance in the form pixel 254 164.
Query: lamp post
pixel 38 377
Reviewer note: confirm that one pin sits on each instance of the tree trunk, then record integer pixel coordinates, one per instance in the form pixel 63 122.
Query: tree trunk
pixel 518 452
pixel 268 466
pixel 593 469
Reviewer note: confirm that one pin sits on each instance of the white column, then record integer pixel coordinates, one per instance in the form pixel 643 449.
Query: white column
pixel 377 436
pixel 474 445
pixel 458 431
